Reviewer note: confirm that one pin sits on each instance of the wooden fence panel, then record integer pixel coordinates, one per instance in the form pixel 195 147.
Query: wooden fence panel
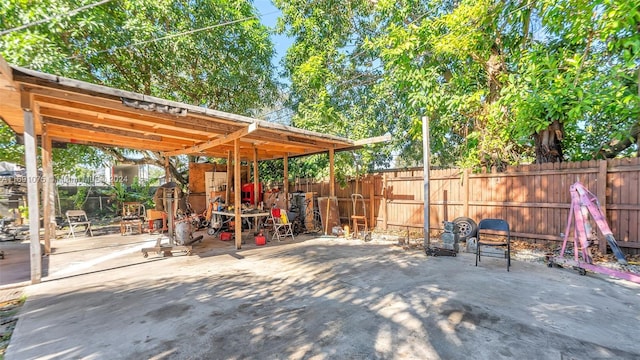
pixel 534 199
pixel 623 200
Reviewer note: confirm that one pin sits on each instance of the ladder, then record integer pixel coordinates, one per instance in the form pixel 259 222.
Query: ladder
pixel 359 221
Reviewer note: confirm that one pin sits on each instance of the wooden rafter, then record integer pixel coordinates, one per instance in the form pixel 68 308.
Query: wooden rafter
pixel 219 141
pixel 97 128
pixel 117 111
pixel 82 112
pixel 96 119
pixel 62 134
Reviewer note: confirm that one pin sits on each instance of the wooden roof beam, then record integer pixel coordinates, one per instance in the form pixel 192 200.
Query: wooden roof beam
pixel 95 119
pixel 6 75
pixel 116 110
pixel 75 125
pixel 63 134
pixel 271 149
pixel 219 141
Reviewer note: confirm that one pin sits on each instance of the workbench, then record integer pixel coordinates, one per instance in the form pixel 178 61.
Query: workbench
pixel 255 214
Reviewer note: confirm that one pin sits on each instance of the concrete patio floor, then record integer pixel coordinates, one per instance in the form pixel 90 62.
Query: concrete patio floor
pixel 314 298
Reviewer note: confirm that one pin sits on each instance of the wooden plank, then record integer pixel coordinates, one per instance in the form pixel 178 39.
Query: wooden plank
pixel 237 185
pixel 6 75
pixel 256 179
pixel 385 214
pixel 227 196
pixel 73 126
pixel 285 180
pixel 371 189
pixel 62 134
pixel 329 213
pixel 114 109
pixel 201 126
pixel 332 174
pixel 90 117
pixel 48 194
pixel 219 141
pixel 602 199
pixel 36 79
pixel 634 198
pixel 465 192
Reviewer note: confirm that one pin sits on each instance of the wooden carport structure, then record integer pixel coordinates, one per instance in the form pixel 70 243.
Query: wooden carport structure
pixel 58 109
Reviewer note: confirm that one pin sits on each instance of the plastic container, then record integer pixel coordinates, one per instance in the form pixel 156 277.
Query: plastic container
pixel 226 236
pixel 261 240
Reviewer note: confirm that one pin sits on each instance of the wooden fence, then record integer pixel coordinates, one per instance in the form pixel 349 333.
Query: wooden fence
pixel 534 199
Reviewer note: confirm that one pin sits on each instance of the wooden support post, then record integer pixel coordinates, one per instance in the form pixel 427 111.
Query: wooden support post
pixel 256 179
pixel 32 194
pixel 227 194
pixel 601 192
pixel 48 192
pixel 237 205
pixel 285 182
pixel 372 201
pixel 332 175
pixel 385 217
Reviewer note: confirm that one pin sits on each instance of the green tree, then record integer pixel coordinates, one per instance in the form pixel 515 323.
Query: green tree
pixel 332 75
pixel 212 53
pixel 509 81
pixel 502 81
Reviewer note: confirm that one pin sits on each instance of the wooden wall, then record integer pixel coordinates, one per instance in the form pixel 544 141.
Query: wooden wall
pixel 534 199
pixel 197 186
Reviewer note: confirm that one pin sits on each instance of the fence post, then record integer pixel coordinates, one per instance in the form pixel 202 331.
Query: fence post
pixel 372 200
pixel 602 198
pixel 465 192
pixel 384 202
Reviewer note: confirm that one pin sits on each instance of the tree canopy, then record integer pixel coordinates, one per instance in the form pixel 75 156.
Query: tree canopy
pixel 501 81
pixel 212 53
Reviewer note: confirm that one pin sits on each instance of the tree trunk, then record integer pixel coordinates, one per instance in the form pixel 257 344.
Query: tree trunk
pixel 495 67
pixel 615 147
pixel 548 143
pixel 157 159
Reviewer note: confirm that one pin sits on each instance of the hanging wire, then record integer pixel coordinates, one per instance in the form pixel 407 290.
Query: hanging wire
pixel 42 21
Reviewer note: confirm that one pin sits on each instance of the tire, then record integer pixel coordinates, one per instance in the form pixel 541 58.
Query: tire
pixel 467 227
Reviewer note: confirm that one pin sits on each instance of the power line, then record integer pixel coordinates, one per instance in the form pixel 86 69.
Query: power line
pixel 172 36
pixel 189 32
pixel 42 21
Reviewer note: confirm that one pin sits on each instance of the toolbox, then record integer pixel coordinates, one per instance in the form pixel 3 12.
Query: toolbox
pixel 226 236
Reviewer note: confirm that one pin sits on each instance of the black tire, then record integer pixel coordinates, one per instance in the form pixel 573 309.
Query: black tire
pixel 467 227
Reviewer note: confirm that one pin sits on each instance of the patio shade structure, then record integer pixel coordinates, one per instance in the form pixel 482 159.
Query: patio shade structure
pixel 57 109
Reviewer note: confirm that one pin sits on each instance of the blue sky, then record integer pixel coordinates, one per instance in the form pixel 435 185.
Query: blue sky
pixel 269 14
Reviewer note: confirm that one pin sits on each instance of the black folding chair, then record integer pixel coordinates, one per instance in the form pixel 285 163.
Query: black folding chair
pixel 498 236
